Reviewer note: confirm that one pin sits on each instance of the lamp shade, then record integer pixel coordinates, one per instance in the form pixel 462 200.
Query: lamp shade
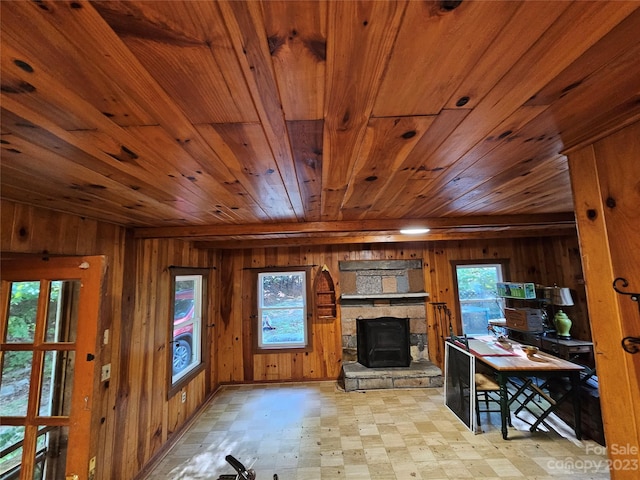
pixel 561 297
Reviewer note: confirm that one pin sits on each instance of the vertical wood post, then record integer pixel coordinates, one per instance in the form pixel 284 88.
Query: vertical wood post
pixel 605 177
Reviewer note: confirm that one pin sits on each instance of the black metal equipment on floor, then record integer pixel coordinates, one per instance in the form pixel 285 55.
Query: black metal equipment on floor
pixel 242 472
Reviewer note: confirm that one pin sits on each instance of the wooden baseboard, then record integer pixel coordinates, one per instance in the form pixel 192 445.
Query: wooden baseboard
pixel 175 437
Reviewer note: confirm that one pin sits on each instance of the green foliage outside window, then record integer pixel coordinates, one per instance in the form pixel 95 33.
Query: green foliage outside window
pixel 477 295
pixel 477 283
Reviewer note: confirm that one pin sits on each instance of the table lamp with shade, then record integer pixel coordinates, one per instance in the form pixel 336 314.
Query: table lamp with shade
pixel 561 297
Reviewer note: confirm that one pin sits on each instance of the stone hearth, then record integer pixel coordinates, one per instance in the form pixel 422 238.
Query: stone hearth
pixel 422 374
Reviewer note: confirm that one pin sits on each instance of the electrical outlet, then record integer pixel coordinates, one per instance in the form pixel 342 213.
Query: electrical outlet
pixel 105 337
pixel 184 397
pixel 106 372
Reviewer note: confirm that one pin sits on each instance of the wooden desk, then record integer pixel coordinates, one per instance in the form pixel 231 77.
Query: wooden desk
pixel 540 365
pixel 568 349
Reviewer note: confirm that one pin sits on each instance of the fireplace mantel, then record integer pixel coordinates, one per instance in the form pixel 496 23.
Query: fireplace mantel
pixel 377 296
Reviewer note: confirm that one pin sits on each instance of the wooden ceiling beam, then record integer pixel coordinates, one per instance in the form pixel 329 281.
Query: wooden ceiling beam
pixel 358 226
pixel 368 239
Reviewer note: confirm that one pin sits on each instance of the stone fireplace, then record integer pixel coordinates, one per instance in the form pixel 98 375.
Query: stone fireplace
pixel 374 292
pixel 373 289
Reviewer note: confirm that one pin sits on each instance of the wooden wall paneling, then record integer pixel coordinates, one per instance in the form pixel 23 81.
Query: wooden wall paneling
pixel 224 330
pixel 223 335
pixel 129 385
pixel 604 180
pixel 436 334
pixel 246 307
pixel 311 363
pixel 164 417
pixel 7 228
pixel 158 346
pixel 332 331
pixel 142 339
pixel 110 240
pixel 132 419
pixel 213 317
pixel 21 229
pixel 266 367
pixel 88 236
pixel 574 278
pixel 272 366
pixel 541 260
pixel 69 229
pixel 296 363
pixel 118 306
pixel 114 464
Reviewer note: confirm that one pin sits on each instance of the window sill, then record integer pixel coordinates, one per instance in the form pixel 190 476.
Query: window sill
pixel 184 381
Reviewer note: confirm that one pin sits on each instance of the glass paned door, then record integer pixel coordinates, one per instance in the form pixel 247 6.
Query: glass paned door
pixel 47 365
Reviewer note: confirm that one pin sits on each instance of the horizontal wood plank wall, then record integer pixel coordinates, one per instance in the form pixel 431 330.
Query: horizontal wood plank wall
pixel 548 261
pixel 132 419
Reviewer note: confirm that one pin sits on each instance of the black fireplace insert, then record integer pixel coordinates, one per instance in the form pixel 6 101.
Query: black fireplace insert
pixel 383 342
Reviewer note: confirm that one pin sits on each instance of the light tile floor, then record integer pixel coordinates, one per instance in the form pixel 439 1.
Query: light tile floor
pixel 310 431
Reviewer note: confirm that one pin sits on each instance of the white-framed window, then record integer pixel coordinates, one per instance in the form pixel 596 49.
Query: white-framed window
pixel 282 310
pixel 477 296
pixel 186 338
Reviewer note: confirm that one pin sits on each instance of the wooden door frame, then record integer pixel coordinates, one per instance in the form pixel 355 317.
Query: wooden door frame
pixel 89 270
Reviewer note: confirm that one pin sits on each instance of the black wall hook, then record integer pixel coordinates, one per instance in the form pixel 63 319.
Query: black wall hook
pixel 629 344
pixel 635 297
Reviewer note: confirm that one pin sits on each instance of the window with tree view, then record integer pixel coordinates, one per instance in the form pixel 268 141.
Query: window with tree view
pixel 478 297
pixel 282 310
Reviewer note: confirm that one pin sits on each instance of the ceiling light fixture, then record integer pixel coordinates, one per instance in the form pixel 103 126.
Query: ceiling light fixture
pixel 414 231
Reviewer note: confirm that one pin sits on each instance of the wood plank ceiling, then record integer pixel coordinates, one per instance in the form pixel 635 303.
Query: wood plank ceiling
pixel 281 122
